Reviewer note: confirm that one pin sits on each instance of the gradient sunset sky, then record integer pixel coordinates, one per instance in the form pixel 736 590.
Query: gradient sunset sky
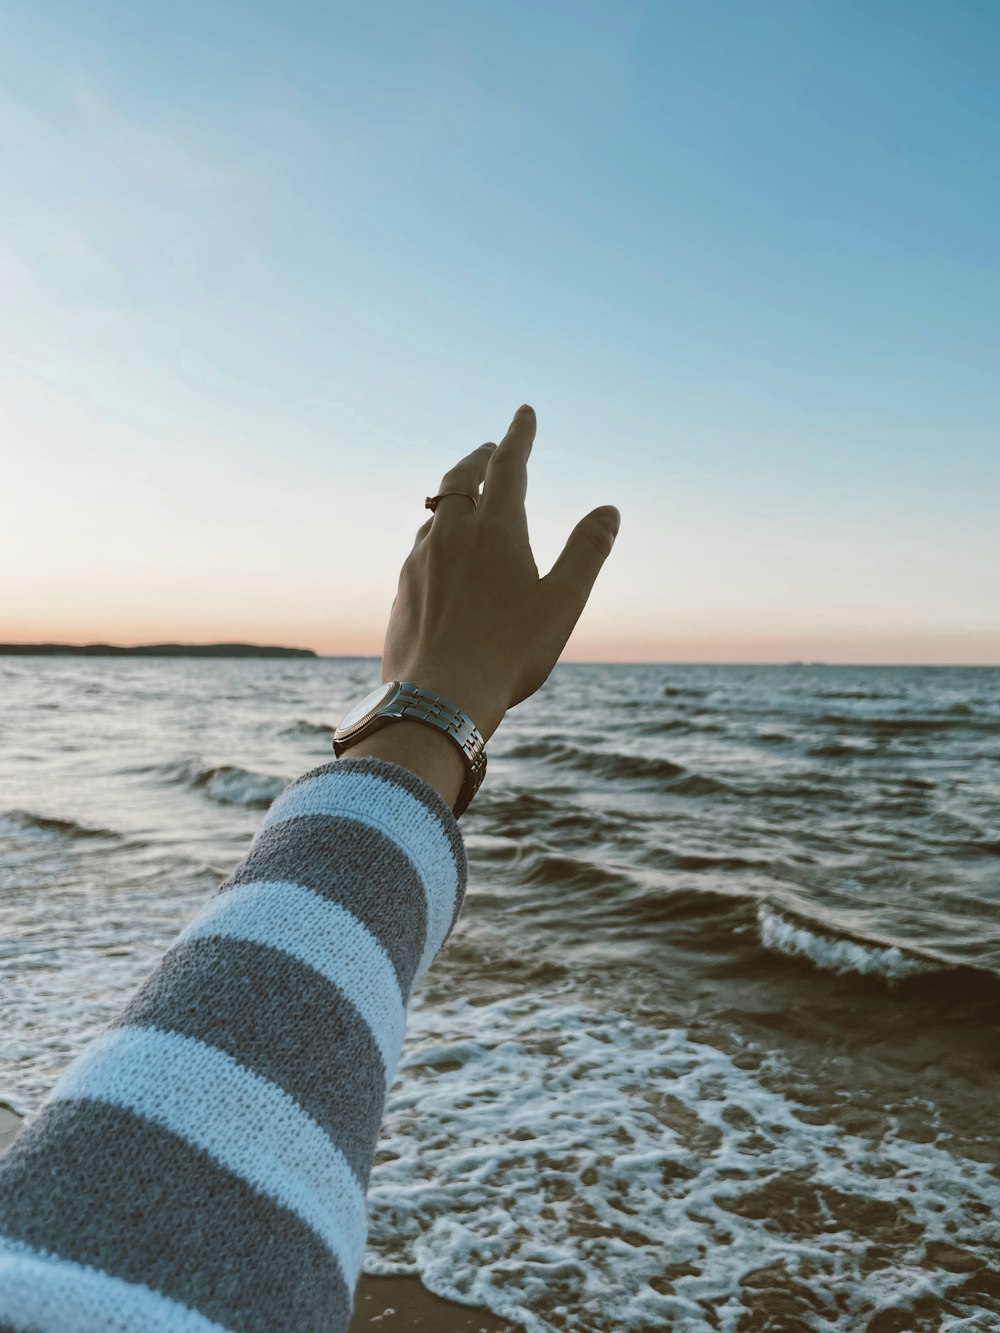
pixel 267 269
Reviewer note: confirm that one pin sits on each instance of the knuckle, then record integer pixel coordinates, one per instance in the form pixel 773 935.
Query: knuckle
pixel 598 539
pixel 437 539
pixel 460 478
pixel 499 460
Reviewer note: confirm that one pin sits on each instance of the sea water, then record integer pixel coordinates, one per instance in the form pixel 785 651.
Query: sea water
pixel 714 1045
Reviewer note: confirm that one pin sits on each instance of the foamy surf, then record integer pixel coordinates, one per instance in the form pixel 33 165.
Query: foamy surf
pixel 573 1170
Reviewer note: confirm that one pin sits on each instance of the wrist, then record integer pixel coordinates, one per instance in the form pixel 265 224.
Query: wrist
pixel 420 748
pixel 475 698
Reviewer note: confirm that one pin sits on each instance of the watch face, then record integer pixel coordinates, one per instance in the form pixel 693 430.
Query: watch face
pixel 365 709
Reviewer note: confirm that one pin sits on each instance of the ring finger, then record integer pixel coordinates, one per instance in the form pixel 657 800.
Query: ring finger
pixel 460 485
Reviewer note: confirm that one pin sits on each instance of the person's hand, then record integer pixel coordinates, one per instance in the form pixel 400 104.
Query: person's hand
pixel 472 620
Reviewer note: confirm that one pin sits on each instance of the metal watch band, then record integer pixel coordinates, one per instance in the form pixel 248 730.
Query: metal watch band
pixel 419 705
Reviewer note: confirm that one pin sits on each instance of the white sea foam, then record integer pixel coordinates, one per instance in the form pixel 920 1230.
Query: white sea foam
pixel 573 1170
pixel 835 954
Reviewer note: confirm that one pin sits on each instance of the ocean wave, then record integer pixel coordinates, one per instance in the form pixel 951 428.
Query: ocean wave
pixel 513 802
pixel 855 694
pixel 513 812
pixel 839 750
pixel 12 820
pixel 230 785
pixel 558 751
pixel 226 784
pixel 617 894
pixel 709 915
pixel 918 726
pixel 916 784
pixel 684 692
pixel 302 727
pixel 837 953
pixel 707 861
pixel 571 873
pixel 687 725
pixel 616 765
pixel 815 789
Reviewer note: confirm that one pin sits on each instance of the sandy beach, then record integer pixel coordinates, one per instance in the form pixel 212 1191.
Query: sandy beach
pixel 389 1304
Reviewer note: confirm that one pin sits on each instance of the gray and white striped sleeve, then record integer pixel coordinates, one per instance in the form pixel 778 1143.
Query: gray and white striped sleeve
pixel 202 1166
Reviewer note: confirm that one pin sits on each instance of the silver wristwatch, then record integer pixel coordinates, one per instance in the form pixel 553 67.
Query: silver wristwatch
pixel 401 699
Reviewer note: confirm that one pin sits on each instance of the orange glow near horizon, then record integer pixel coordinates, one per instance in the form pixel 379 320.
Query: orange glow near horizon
pixel 365 640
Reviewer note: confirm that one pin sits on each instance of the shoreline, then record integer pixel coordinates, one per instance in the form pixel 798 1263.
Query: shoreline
pixel 390 1304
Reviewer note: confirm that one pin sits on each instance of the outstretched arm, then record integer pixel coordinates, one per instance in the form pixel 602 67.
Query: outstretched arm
pixel 203 1165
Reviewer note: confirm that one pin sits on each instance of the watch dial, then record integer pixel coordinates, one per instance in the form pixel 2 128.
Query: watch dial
pixel 362 710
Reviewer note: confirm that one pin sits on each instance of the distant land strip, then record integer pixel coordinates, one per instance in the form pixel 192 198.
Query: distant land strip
pixel 150 650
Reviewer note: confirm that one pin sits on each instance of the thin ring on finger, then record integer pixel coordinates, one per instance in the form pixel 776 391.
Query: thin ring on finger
pixel 433 501
pixel 464 479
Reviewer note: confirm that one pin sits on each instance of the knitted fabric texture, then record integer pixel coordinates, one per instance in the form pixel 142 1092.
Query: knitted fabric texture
pixel 202 1166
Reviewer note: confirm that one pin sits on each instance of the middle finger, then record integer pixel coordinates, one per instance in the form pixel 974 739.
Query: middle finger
pixel 460 485
pixel 507 477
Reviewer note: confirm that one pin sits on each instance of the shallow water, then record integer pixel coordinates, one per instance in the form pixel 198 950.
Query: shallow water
pixel 715 1043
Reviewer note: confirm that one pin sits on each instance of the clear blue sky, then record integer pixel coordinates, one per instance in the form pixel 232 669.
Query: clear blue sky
pixel 267 268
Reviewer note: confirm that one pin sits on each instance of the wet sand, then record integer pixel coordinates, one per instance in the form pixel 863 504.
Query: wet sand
pixel 388 1304
pixel 399 1304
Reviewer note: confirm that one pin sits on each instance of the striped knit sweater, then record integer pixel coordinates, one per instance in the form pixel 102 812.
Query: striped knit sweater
pixel 203 1165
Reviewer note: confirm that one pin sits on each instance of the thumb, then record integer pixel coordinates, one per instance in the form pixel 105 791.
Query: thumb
pixel 572 577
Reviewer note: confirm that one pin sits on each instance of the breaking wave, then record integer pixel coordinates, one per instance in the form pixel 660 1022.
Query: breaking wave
pixel 226 784
pixel 229 785
pixel 837 953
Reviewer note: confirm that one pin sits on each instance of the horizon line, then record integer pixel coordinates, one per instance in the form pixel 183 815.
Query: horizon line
pixel 638 661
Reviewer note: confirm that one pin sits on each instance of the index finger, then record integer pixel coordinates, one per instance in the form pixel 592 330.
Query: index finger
pixel 506 481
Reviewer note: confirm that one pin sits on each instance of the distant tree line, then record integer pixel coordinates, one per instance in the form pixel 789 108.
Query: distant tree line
pixel 150 650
